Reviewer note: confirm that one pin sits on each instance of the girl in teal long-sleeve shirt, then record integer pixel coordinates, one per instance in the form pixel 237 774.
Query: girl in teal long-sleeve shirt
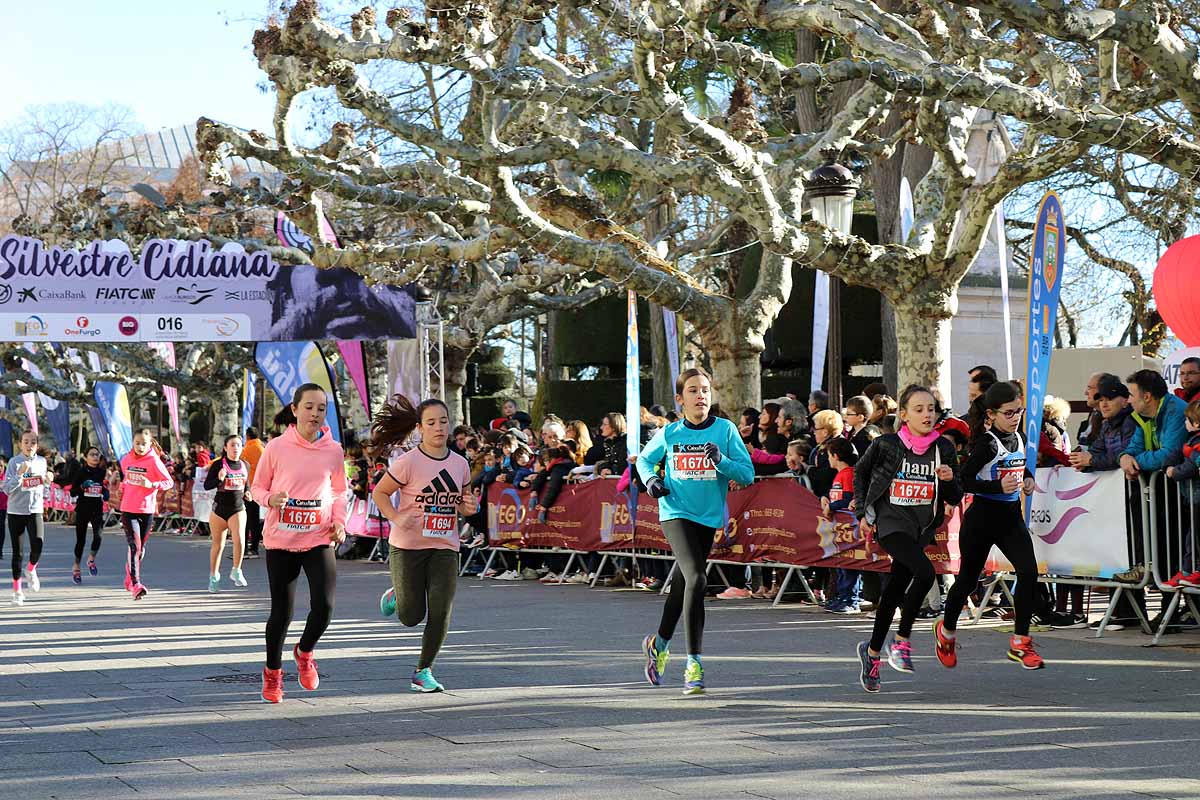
pixel 699 455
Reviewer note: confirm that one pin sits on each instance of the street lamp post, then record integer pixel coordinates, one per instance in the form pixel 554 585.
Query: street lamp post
pixel 830 190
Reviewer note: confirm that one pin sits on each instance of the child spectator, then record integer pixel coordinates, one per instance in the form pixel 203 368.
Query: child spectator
pixel 797 456
pixel 848 582
pixel 516 468
pixel 548 483
pixel 858 413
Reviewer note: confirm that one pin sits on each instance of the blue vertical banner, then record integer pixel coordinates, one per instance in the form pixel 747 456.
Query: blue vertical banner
pixel 1045 284
pixel 249 396
pixel 633 398
pixel 116 422
pixel 287 365
pixel 101 430
pixel 6 429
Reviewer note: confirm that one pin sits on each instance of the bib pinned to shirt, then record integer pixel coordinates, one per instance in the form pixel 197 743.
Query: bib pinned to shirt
pixel 690 463
pixel 300 516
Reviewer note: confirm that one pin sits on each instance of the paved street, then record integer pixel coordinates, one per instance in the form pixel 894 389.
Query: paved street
pixel 102 697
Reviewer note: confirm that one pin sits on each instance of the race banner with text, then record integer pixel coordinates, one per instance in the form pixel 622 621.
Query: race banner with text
pixel 1076 522
pixel 186 291
pixel 774 520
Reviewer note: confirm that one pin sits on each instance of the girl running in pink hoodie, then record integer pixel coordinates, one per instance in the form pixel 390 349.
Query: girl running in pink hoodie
pixel 143 476
pixel 300 479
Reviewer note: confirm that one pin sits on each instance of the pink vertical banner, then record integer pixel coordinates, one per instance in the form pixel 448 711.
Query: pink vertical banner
pixel 30 408
pixel 166 350
pixel 356 364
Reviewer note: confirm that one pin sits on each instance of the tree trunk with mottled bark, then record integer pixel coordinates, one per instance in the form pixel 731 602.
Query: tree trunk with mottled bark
pixel 923 349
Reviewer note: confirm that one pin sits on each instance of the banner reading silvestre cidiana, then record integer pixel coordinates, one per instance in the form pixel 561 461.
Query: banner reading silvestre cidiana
pixel 186 291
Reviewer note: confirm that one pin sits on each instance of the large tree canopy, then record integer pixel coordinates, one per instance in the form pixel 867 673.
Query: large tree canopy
pixel 559 101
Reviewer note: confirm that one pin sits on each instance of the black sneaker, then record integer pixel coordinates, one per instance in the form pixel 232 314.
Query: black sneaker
pixel 1061 619
pixel 869 674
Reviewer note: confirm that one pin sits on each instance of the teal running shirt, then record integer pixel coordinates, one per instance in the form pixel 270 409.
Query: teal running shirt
pixel 698 488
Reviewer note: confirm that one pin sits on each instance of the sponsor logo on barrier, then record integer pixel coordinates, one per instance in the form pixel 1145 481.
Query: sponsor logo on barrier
pixel 83 327
pixel 128 326
pixel 32 326
pixel 248 294
pixel 225 326
pixel 26 294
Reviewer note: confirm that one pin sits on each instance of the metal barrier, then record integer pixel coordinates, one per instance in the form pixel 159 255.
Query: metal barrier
pixel 1175 550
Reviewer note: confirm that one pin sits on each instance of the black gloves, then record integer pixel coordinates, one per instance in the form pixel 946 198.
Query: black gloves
pixel 656 488
pixel 713 452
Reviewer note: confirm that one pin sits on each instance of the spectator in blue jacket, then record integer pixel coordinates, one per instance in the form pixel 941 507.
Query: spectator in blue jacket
pixel 1161 430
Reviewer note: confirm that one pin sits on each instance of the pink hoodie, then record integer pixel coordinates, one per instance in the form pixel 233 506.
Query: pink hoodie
pixel 314 477
pixel 143 499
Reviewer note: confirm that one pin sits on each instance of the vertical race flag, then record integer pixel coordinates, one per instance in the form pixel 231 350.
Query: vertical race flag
pixel 6 430
pixel 671 328
pixel 249 396
pixel 355 359
pixel 633 399
pixel 1045 283
pixel 166 351
pixel 1006 314
pixel 115 419
pixel 102 440
pixel 287 365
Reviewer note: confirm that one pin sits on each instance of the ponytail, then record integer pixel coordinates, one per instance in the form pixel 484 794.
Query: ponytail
pixel 286 415
pixel 997 395
pixel 394 422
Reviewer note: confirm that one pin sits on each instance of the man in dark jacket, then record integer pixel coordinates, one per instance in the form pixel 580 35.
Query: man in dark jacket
pixel 1115 432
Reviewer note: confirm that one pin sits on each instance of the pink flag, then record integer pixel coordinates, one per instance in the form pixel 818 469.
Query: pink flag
pixel 356 365
pixel 166 350
pixel 30 410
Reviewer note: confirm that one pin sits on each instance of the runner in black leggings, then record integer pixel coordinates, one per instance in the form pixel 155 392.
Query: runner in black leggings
pixel 901 485
pixel 700 455
pixel 996 473
pixel 89 487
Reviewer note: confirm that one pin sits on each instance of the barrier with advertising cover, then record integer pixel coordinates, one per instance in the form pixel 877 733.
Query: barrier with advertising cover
pixel 772 521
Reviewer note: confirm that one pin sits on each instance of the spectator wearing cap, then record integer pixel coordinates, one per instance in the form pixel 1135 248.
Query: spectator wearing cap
pixel 1159 416
pixel 1116 429
pixel 1189 380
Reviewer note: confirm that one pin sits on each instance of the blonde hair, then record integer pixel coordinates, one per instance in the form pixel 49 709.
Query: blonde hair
pixel 1057 409
pixel 578 432
pixel 830 420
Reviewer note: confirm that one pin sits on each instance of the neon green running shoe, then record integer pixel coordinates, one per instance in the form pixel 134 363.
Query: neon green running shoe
pixel 423 681
pixel 387 603
pixel 656 660
pixel 693 678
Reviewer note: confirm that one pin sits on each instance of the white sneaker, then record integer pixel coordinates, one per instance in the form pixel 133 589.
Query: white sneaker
pixel 35 582
pixel 18 598
pixel 532 574
pixel 510 575
pixel 549 577
pixel 237 577
pixel 540 571
pixel 579 577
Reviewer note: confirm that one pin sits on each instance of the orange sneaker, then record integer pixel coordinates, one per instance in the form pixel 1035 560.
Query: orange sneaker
pixel 945 646
pixel 272 691
pixel 1020 649
pixel 307 667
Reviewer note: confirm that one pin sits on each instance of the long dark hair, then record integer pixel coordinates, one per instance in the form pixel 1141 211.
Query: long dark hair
pixel 996 396
pixel 286 415
pixel 394 422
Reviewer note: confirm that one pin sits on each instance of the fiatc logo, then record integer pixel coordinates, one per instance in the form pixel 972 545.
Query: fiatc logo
pixel 128 326
pixel 83 327
pixel 32 326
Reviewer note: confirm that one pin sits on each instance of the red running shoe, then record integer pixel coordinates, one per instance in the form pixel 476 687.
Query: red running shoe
pixel 945 646
pixel 139 591
pixel 272 689
pixel 307 667
pixel 1175 581
pixel 1192 580
pixel 1020 649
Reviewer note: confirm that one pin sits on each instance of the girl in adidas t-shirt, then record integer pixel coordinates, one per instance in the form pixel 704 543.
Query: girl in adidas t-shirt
pixel 995 471
pixel 433 488
pixel 901 485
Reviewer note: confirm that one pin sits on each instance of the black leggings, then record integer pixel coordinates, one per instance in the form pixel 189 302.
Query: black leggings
pixel 424 582
pixel 283 570
pixel 19 524
pixel 911 578
pixel 987 523
pixel 137 532
pixel 84 516
pixel 691 543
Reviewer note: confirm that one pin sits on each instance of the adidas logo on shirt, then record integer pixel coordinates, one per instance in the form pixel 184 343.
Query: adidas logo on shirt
pixel 441 491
